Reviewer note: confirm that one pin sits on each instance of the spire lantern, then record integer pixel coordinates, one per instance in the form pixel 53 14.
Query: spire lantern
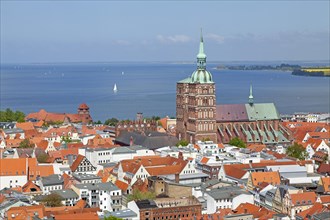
pixel 201 56
pixel 251 96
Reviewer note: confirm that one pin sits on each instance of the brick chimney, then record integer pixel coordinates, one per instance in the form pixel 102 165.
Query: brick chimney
pixel 131 142
pixel 177 177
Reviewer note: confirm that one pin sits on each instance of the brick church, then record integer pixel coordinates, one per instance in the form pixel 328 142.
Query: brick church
pixel 200 118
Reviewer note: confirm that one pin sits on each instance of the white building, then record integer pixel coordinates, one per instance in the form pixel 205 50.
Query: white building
pixel 226 197
pixel 107 196
pixel 50 183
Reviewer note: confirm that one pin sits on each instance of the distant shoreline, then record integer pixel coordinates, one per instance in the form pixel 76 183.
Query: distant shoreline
pixel 294 69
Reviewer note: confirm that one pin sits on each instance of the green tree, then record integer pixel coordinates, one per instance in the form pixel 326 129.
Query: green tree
pixel 237 142
pixel 8 116
pixel 52 200
pixel 182 143
pixel 26 144
pixel 42 158
pixel 97 122
pixel 111 121
pixel 138 195
pixel 297 151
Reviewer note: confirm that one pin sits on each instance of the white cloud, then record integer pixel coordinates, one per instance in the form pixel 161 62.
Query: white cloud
pixel 173 39
pixel 217 38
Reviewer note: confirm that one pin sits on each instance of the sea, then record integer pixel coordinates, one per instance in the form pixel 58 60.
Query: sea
pixel 149 88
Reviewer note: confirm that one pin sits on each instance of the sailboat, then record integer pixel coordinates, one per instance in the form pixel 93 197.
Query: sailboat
pixel 115 88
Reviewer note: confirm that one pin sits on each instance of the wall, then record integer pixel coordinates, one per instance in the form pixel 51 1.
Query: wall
pixel 12 181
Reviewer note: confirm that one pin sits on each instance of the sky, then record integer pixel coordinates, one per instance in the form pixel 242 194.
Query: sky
pixel 112 31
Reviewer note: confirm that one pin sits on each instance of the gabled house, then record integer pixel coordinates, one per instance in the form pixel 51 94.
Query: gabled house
pixel 82 166
pixel 280 192
pixel 298 202
pixel 314 145
pixel 142 167
pixel 257 178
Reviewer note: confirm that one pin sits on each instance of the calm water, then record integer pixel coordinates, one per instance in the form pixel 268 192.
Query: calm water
pixel 147 87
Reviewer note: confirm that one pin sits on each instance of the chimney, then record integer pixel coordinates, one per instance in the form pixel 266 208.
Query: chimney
pixel 177 177
pixel 180 155
pixel 131 141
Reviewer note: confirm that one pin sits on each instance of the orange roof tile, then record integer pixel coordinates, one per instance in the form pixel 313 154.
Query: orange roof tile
pixel 326 183
pixel 27 188
pixel 163 122
pixel 315 209
pixel 221 146
pixel 14 166
pixel 76 163
pixel 256 147
pixel 204 160
pixel 325 199
pixel 305 198
pixel 25 212
pixel 154 165
pixel 25 126
pixel 256 211
pixel 272 178
pixel 13 143
pixel 121 185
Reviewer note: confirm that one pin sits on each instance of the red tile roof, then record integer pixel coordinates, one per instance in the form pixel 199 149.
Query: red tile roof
pixel 25 212
pixel 254 210
pixel 221 146
pixel 121 185
pixel 325 199
pixel 76 163
pixel 324 168
pixel 204 160
pixel 305 198
pixel 315 209
pixel 272 178
pixel 27 188
pixel 25 126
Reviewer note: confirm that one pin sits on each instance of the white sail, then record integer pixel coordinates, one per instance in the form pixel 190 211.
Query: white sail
pixel 115 88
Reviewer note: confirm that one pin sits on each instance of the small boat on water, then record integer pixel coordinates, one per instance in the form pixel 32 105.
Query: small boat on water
pixel 115 88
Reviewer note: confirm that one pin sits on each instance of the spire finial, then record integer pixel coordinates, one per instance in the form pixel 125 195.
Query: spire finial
pixel 251 96
pixel 202 35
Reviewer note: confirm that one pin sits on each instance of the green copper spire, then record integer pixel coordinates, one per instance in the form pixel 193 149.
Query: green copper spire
pixel 251 96
pixel 201 57
pixel 201 75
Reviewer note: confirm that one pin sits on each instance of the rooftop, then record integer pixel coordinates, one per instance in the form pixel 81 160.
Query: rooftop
pixel 108 186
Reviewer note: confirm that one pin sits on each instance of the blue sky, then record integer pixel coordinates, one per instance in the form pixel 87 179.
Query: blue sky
pixel 80 31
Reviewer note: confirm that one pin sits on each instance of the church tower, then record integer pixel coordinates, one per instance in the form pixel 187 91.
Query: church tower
pixel 196 103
